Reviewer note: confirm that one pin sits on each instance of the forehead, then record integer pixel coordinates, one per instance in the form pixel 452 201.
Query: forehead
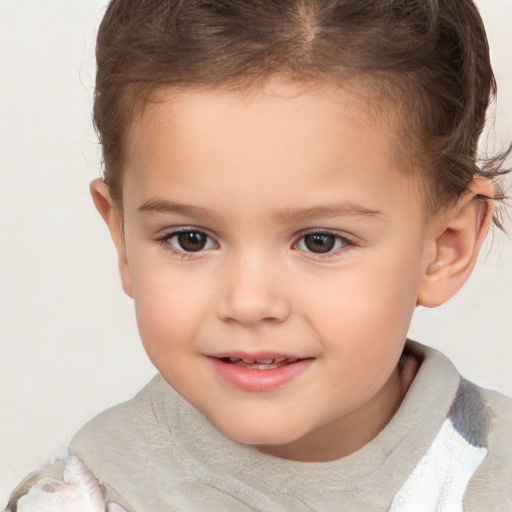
pixel 290 134
pixel 192 112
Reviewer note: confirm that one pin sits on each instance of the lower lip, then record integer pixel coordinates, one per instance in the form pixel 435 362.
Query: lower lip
pixel 250 379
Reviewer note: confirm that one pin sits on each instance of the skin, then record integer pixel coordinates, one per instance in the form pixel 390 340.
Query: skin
pixel 258 172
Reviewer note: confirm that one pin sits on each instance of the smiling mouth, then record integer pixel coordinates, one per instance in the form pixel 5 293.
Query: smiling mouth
pixel 259 364
pixel 259 372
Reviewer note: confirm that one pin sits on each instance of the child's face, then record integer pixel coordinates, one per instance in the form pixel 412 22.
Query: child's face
pixel 274 225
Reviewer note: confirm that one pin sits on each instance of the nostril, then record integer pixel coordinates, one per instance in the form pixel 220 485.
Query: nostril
pixel 252 309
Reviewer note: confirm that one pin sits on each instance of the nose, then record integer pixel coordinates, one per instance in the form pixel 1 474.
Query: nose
pixel 251 293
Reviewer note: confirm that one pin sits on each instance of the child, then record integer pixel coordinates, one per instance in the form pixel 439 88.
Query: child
pixel 284 183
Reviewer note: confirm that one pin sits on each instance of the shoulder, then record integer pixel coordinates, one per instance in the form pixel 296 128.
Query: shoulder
pixel 469 459
pixel 119 445
pixel 491 486
pixel 131 447
pixel 499 409
pixel 484 417
pixel 121 426
pixel 500 406
pixel 125 431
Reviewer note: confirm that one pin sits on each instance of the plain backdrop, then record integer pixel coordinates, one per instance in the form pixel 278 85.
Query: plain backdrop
pixel 69 346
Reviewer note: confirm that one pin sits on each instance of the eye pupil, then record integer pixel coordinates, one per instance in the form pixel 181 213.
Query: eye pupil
pixel 320 243
pixel 192 241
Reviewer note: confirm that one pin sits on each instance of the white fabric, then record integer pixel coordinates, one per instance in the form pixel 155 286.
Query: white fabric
pixel 78 491
pixel 439 480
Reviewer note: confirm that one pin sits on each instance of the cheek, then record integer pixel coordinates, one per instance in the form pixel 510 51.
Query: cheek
pixel 169 306
pixel 363 300
pixel 365 311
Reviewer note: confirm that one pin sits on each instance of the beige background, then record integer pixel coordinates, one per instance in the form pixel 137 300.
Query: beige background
pixel 68 341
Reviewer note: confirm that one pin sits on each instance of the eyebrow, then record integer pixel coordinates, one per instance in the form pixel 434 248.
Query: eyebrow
pixel 281 216
pixel 343 209
pixel 170 207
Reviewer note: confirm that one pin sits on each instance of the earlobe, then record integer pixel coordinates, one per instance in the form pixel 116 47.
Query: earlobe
pixel 112 216
pixel 458 240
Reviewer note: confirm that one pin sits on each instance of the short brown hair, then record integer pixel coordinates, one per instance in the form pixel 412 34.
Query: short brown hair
pixel 432 54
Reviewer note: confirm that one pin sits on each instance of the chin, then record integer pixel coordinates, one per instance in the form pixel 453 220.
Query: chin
pixel 261 433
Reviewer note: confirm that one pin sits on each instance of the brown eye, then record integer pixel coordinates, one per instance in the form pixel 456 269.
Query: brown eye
pixel 190 241
pixel 321 243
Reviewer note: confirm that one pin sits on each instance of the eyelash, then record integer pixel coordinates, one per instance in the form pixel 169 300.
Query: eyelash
pixel 165 241
pixel 344 242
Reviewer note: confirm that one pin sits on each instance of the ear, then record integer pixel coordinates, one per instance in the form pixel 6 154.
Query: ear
pixel 112 215
pixel 457 241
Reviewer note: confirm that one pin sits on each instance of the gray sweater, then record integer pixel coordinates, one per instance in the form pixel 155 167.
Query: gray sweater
pixel 447 449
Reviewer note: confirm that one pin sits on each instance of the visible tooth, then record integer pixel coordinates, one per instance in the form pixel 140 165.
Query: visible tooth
pixel 261 364
pixel 256 366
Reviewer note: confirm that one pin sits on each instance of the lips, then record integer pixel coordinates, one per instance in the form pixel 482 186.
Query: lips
pixel 259 364
pixel 258 372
